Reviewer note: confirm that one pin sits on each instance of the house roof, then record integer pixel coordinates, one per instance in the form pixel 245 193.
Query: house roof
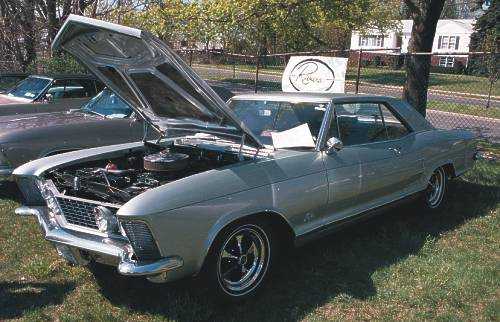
pixel 461 26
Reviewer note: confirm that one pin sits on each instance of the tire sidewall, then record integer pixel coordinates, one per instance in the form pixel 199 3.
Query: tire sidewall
pixel 210 270
pixel 439 206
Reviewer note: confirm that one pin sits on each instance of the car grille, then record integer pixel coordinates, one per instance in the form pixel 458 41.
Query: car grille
pixel 141 239
pixel 78 212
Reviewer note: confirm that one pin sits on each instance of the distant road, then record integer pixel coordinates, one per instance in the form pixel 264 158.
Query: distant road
pixel 367 88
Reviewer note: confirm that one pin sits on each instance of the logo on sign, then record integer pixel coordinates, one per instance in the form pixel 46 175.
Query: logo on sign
pixel 312 75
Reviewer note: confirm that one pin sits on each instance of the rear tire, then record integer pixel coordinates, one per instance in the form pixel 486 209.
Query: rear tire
pixel 434 195
pixel 240 259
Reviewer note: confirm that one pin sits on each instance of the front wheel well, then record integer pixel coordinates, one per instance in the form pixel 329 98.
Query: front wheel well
pixel 284 232
pixel 449 169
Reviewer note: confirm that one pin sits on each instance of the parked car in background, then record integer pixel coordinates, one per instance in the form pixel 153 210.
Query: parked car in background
pixel 39 94
pixel 8 80
pixel 105 119
pixel 228 184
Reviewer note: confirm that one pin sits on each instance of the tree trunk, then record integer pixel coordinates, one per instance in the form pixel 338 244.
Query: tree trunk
pixel 52 21
pixel 425 16
pixel 28 30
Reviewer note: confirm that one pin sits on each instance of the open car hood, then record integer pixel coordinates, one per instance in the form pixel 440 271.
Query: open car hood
pixel 146 73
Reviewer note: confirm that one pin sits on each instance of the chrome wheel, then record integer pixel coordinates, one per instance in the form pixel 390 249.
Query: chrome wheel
pixel 243 260
pixel 436 188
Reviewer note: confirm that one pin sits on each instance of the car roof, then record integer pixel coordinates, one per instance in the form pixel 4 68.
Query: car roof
pixel 302 96
pixel 64 76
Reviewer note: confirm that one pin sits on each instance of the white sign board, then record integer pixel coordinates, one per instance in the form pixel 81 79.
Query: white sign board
pixel 314 74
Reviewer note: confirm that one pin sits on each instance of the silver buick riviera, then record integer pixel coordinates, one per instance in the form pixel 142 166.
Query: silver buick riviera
pixel 224 186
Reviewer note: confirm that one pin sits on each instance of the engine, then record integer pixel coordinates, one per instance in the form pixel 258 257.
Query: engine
pixel 119 180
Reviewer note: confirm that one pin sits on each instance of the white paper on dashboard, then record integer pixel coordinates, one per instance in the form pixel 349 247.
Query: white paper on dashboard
pixel 299 136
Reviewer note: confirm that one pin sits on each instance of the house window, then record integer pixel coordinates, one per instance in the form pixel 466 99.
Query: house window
pixel 371 41
pixel 446 61
pixel 448 42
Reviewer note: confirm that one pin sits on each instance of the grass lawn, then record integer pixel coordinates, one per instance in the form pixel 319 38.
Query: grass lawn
pixel 404 264
pixel 384 76
pixel 464 109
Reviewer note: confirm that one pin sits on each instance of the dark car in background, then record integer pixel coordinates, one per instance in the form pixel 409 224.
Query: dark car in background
pixel 40 93
pixel 104 120
pixel 8 80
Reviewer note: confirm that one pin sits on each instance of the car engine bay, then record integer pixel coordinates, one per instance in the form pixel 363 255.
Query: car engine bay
pixel 120 179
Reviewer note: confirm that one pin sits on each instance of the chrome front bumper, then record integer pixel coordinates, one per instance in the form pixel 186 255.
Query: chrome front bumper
pixel 79 248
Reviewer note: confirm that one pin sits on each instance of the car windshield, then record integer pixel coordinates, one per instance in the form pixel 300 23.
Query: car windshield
pixel 264 118
pixel 108 104
pixel 29 88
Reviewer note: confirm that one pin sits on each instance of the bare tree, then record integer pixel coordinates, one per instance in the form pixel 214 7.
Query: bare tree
pixel 425 15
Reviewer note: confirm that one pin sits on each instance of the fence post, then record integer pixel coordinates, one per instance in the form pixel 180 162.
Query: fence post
pixel 234 67
pixel 257 73
pixel 359 70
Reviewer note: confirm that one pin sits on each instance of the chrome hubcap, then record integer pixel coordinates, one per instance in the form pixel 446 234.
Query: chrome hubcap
pixel 243 260
pixel 435 188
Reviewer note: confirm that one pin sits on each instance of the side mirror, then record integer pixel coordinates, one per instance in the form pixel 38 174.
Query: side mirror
pixel 333 144
pixel 49 98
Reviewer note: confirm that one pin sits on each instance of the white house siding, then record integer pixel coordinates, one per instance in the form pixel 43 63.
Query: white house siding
pixel 452 36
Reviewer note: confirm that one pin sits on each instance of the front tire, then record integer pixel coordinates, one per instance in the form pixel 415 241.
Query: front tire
pixel 240 260
pixel 435 194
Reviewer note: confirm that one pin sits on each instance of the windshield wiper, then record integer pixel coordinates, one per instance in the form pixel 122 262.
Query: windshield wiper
pixel 87 111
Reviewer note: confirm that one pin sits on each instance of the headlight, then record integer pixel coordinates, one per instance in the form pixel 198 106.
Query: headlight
pixel 47 192
pixel 106 220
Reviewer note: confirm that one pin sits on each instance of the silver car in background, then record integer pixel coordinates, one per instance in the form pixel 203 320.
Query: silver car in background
pixel 227 185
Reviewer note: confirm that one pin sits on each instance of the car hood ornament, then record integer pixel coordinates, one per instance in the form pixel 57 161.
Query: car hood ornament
pixel 151 77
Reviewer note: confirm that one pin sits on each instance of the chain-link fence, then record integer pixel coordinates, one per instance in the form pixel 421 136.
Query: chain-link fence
pixel 463 91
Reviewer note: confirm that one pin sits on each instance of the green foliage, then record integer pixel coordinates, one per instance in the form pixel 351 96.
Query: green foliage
pixel 62 64
pixel 249 26
pixel 485 39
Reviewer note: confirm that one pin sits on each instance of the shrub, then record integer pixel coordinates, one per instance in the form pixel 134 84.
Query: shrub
pixel 62 64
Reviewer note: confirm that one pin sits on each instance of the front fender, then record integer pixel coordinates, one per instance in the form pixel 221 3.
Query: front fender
pixel 189 231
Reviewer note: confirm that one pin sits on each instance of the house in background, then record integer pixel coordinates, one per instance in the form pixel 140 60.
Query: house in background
pixel 452 36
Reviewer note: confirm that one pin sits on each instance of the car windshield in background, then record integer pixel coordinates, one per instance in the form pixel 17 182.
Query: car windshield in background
pixel 266 117
pixel 29 88
pixel 107 104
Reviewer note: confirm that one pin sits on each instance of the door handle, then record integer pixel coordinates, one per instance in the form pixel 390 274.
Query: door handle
pixel 396 150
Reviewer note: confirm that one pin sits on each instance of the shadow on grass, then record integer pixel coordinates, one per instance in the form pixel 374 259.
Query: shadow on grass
pixel 9 190
pixel 341 264
pixel 21 297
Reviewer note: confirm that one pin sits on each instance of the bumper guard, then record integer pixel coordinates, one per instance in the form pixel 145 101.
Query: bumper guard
pixel 70 244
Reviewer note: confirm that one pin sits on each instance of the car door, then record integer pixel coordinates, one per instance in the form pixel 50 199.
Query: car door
pixel 343 174
pixel 382 151
pixel 409 162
